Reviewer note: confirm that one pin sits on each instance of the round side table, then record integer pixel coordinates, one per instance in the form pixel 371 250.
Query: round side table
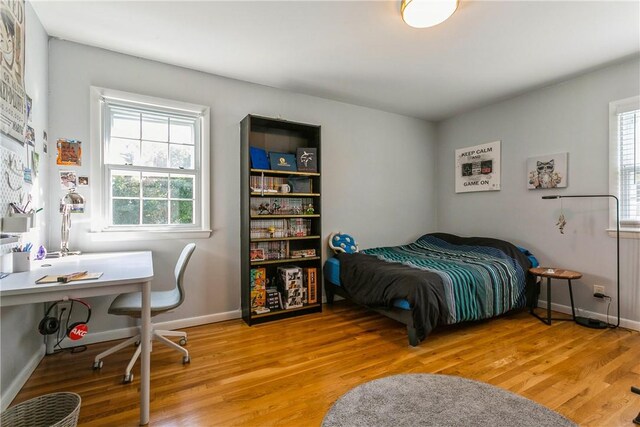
pixel 554 273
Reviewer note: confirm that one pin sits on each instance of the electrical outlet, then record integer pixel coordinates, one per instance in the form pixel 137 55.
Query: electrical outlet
pixel 598 289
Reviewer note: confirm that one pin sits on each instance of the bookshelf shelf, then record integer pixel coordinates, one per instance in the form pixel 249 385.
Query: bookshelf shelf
pixel 286 260
pixel 291 310
pixel 277 239
pixel 285 194
pixel 272 172
pixel 285 282
pixel 284 216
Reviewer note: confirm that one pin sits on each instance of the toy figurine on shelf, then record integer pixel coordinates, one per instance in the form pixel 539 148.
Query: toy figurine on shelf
pixel 263 209
pixel 309 209
pixel 272 231
pixel 275 207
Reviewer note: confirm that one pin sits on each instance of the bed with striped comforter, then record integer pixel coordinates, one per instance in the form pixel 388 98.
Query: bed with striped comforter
pixel 446 279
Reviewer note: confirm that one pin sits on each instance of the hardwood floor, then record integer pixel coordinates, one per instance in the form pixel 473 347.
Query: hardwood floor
pixel 290 372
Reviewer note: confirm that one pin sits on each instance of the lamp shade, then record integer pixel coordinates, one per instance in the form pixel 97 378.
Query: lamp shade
pixel 427 13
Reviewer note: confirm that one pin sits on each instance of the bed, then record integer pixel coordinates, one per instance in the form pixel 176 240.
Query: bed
pixel 440 279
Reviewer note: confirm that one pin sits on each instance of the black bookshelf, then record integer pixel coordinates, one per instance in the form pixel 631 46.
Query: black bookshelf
pixel 276 135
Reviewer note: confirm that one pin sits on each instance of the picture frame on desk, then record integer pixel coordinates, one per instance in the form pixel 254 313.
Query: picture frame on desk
pixel 282 161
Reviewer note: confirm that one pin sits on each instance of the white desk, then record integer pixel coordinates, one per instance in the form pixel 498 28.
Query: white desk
pixel 123 272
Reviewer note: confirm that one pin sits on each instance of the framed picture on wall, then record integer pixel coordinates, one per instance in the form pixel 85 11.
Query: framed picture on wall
pixel 478 168
pixel 549 171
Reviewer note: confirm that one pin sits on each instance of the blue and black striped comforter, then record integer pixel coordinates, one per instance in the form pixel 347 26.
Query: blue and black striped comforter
pixel 446 279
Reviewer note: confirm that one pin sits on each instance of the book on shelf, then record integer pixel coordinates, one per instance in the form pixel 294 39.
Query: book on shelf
pixel 307 159
pixel 282 161
pixel 302 253
pixel 258 158
pixel 268 184
pixel 271 250
pixel 311 280
pixel 279 228
pixel 258 279
pixel 279 205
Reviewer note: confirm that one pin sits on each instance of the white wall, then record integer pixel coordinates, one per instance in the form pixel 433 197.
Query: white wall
pixel 378 167
pixel 22 345
pixel 571 116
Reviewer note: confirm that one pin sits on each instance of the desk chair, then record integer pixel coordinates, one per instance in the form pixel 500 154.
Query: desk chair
pixel 161 302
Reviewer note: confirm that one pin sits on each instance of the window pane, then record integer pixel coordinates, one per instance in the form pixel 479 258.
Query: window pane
pixel 181 212
pixel 155 185
pixel 125 123
pixel 154 211
pixel 155 128
pixel 181 156
pixel 125 184
pixel 181 187
pixel 126 212
pixel 123 151
pixel 182 131
pixel 154 154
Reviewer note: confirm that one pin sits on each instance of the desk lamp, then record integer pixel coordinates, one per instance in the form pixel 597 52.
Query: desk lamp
pixel 72 202
pixel 584 321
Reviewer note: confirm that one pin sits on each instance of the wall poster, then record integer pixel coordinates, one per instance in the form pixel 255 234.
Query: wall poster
pixel 12 94
pixel 69 152
pixel 548 171
pixel 478 168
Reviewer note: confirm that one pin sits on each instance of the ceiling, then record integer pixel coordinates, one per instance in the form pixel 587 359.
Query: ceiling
pixel 361 52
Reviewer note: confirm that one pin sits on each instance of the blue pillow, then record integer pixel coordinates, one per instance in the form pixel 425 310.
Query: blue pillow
pixel 532 258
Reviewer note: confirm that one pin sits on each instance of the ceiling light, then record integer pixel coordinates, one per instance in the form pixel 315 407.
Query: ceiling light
pixel 427 13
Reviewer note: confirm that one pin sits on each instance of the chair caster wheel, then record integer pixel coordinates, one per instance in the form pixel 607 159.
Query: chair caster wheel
pixel 185 360
pixel 98 365
pixel 182 342
pixel 127 379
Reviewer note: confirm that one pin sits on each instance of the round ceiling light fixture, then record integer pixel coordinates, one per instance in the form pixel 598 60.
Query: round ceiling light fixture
pixel 427 13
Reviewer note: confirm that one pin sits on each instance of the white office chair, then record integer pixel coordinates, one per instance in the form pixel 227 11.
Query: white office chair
pixel 161 302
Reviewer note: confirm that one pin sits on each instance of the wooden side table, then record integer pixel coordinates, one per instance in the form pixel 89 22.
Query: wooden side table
pixel 554 273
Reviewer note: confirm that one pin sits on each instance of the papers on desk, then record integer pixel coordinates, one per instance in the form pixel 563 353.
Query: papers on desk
pixel 59 279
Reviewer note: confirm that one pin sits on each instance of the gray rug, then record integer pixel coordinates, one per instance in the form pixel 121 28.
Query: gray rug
pixel 437 400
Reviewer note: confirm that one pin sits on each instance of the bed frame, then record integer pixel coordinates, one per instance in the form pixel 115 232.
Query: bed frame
pixel 398 314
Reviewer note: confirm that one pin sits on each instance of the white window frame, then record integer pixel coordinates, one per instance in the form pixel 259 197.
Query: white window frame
pixel 615 108
pixel 99 175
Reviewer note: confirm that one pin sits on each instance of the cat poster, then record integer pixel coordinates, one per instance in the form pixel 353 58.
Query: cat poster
pixel 478 168
pixel 548 171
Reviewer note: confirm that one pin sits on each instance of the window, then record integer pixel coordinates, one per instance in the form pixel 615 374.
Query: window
pixel 625 160
pixel 153 168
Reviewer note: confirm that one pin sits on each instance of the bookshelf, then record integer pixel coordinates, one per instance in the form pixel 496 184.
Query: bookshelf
pixel 278 230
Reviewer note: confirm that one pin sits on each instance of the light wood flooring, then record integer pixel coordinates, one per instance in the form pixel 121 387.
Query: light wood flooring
pixel 290 372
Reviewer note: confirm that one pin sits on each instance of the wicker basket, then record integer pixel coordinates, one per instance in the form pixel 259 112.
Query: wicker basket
pixel 51 410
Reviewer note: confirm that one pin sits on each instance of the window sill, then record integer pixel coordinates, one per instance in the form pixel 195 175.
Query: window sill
pixel 115 236
pixel 625 233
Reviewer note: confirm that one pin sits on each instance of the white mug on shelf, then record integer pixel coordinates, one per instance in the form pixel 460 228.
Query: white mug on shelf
pixel 285 188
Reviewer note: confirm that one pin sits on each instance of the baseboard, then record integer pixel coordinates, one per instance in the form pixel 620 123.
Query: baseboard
pixel 625 323
pixel 20 379
pixel 117 334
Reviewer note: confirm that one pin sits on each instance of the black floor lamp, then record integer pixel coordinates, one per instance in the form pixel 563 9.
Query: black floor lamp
pixel 585 321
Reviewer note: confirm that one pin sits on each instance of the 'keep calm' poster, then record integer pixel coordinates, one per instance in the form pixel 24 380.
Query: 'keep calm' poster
pixel 478 168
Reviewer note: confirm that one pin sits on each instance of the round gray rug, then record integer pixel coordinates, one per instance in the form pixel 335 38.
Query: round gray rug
pixel 437 400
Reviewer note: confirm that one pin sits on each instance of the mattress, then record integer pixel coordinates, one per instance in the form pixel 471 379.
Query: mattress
pixel 332 274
